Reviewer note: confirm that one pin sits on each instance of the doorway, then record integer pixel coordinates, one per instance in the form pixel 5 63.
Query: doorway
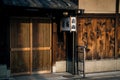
pixel 30 43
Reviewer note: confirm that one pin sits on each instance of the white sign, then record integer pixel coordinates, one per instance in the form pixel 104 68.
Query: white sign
pixel 73 23
pixel 68 24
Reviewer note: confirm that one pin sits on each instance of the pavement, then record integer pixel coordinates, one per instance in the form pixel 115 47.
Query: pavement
pixel 67 76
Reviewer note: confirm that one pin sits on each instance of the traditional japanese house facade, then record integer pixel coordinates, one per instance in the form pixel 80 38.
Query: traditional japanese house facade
pixel 31 40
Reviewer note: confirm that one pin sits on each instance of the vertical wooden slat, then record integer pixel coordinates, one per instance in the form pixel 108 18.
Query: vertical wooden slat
pixel 50 45
pixel 117 40
pixel 31 47
pixel 54 41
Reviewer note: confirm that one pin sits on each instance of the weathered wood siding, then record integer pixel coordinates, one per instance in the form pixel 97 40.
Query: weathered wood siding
pixel 59 44
pixel 99 36
pixel 118 38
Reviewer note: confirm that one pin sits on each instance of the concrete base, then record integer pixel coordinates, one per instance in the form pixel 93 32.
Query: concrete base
pixel 61 66
pixel 54 68
pixel 91 66
pixel 102 65
pixel 3 71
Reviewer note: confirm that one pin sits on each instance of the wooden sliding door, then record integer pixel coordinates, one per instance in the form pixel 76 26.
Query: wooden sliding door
pixel 30 43
pixel 41 49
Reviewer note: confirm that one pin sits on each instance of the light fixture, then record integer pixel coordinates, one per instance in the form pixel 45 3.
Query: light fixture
pixel 65 13
pixel 80 11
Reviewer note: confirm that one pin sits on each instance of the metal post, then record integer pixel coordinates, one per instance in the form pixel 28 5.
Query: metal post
pixel 73 53
pixel 84 62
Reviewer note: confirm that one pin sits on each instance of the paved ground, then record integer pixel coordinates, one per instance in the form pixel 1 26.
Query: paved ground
pixel 68 76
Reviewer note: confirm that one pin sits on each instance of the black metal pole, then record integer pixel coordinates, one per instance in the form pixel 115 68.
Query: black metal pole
pixel 73 53
pixel 84 61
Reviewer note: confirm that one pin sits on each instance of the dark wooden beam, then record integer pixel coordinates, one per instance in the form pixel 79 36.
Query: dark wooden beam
pixel 117 6
pixel 85 15
pixel 116 26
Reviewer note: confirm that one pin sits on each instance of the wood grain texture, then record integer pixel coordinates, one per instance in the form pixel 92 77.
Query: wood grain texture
pixel 59 44
pixel 98 34
pixel 118 39
pixel 30 45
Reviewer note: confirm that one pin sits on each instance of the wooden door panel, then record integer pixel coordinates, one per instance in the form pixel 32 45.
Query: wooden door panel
pixel 41 45
pixel 20 61
pixel 41 60
pixel 41 33
pixel 20 46
pixel 20 34
pixel 38 35
pixel 47 35
pixel 30 44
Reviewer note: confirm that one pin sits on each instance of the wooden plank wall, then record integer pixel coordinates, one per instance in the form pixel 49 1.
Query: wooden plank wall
pixel 118 38
pixel 59 44
pixel 99 36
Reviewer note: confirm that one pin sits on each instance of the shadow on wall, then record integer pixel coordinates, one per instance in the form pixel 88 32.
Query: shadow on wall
pixel 4 42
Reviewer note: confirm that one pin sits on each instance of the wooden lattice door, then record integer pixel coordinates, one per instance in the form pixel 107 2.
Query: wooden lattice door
pixel 41 50
pixel 30 43
pixel 20 45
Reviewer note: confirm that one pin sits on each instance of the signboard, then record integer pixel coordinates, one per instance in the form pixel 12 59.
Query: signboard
pixel 65 24
pixel 72 24
pixel 68 24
